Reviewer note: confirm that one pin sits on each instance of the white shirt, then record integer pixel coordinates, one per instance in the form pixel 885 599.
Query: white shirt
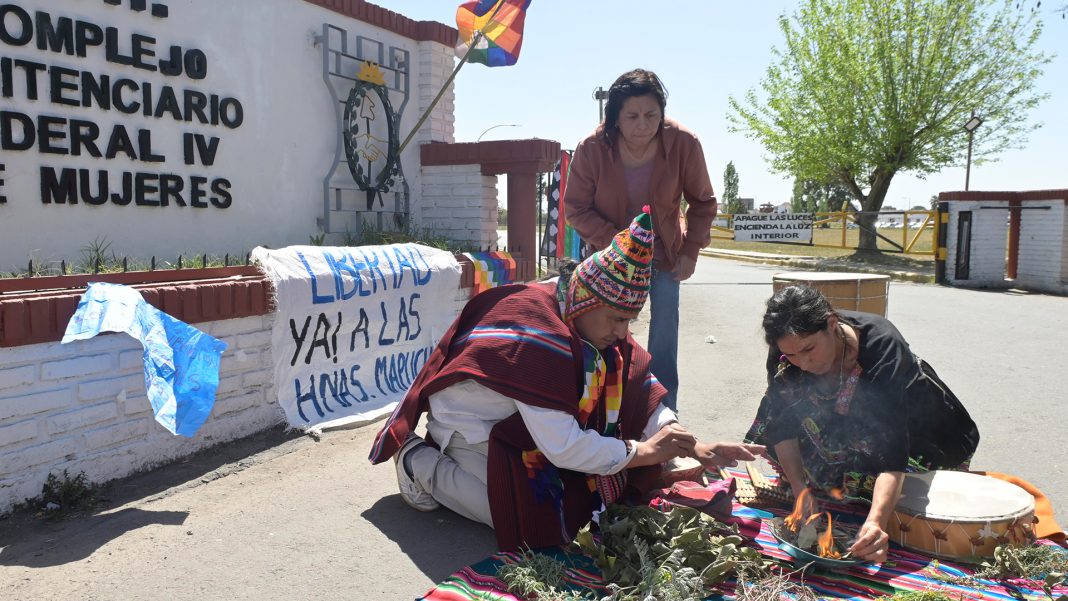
pixel 471 409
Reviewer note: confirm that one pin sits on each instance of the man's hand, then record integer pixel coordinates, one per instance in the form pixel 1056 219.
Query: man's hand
pixel 671 441
pixel 726 454
pixel 684 267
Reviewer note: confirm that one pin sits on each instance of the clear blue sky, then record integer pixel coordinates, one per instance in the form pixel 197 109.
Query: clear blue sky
pixel 704 51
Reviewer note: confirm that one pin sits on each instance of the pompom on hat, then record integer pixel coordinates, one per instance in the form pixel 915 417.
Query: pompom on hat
pixel 618 276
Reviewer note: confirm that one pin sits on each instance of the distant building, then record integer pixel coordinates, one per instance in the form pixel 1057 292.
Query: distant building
pixel 748 203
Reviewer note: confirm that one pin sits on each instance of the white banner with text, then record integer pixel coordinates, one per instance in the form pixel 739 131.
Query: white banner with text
pixel 354 326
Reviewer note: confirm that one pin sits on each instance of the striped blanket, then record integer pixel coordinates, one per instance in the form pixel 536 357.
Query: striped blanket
pixel 905 571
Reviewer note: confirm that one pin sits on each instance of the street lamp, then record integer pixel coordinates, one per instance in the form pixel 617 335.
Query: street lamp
pixel 495 127
pixel 600 95
pixel 970 127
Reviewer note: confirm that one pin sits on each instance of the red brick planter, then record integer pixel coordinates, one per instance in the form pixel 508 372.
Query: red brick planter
pixel 34 314
pixel 36 310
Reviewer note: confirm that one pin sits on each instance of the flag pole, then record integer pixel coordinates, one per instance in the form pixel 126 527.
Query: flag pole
pixel 474 42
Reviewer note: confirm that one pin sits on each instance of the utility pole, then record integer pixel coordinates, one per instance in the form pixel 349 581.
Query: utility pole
pixel 970 127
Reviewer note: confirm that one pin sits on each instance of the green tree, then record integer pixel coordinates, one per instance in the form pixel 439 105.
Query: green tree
pixel 811 197
pixel 864 89
pixel 730 190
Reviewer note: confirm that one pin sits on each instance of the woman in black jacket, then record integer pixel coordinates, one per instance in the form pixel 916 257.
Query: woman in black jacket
pixel 849 408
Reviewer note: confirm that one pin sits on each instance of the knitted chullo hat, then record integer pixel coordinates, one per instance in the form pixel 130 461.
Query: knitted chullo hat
pixel 618 276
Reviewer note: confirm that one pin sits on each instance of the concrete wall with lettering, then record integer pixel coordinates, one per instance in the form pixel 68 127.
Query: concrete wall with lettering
pixel 181 128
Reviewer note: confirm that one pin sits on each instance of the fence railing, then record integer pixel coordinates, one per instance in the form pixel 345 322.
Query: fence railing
pixel 906 232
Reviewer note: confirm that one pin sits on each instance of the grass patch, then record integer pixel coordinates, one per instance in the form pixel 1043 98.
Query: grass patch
pixel 97 257
pixel 64 495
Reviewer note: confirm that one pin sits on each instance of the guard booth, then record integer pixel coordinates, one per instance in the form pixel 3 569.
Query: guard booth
pixel 1004 240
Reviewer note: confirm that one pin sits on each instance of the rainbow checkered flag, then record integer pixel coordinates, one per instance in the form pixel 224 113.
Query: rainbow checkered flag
pixel 501 25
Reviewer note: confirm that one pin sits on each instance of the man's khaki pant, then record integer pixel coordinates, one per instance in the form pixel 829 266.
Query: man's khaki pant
pixel 457 478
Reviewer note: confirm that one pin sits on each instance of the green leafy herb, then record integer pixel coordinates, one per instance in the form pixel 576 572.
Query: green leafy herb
pixel 674 556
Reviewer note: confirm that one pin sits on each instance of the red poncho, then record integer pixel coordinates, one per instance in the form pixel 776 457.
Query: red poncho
pixel 512 340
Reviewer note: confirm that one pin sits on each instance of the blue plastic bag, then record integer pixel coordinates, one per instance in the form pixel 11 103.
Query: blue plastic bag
pixel 181 362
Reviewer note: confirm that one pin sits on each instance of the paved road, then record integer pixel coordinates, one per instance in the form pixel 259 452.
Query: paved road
pixel 302 519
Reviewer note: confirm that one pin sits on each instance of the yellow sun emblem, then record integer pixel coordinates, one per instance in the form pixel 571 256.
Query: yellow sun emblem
pixel 370 73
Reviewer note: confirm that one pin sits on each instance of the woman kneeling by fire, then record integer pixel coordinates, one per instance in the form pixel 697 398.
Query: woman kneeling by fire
pixel 849 409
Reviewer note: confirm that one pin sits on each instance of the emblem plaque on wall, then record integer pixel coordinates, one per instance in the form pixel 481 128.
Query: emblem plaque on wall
pixel 368 82
pixel 370 135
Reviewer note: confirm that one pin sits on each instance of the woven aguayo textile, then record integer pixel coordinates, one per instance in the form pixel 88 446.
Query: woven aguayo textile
pixel 491 269
pixel 904 571
pixel 560 240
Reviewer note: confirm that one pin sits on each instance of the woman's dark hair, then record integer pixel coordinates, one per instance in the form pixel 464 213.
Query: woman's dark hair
pixel 638 82
pixel 797 309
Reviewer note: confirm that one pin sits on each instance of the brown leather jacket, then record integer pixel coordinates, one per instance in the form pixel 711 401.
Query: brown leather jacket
pixel 595 200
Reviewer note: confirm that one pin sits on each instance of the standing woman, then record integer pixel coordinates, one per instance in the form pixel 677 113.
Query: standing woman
pixel 639 157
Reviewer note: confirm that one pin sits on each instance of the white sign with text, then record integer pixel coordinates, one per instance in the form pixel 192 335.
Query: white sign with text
pixel 354 326
pixel 773 227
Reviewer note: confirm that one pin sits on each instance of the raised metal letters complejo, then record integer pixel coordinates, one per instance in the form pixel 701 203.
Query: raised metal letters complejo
pixel 61 86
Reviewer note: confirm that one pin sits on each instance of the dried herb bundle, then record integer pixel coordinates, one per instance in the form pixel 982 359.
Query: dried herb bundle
pixel 1037 562
pixel 1034 563
pixel 1044 563
pixel 775 587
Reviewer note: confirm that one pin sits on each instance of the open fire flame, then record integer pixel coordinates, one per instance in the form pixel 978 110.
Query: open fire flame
pixel 797 518
pixel 826 541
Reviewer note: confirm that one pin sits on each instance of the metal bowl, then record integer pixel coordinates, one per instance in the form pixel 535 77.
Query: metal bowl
pixel 804 558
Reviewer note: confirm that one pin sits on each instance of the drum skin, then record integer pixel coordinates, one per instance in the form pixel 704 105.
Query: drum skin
pixel 961 516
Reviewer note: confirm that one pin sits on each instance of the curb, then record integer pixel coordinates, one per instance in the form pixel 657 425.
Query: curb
pixel 814 265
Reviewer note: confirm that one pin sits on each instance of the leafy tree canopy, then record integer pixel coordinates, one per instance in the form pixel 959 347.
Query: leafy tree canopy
pixel 864 89
pixel 811 196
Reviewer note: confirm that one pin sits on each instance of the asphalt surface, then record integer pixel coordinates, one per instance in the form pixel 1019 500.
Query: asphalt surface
pixel 282 517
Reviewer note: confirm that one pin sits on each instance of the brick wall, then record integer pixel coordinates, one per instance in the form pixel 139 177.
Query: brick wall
pixel 1064 253
pixel 82 407
pixel 1042 257
pixel 460 203
pixel 436 63
pixel 988 245
pixel 1043 247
